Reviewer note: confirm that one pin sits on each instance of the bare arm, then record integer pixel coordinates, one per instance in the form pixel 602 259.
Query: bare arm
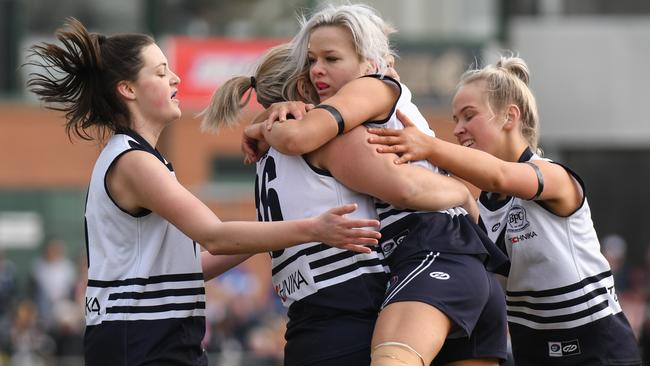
pixel 138 180
pixel 215 265
pixel 358 101
pixel 482 169
pixel 253 145
pixel 356 164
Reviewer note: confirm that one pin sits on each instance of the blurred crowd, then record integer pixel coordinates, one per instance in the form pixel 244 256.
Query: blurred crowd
pixel 43 325
pixel 632 284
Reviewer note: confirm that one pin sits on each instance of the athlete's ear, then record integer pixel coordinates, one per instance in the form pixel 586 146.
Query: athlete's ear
pixel 125 89
pixel 371 68
pixel 512 114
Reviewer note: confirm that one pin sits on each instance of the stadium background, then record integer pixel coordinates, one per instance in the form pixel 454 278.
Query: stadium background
pixel 589 72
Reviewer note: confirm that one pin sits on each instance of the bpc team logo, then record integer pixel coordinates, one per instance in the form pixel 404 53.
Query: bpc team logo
pixel 517 220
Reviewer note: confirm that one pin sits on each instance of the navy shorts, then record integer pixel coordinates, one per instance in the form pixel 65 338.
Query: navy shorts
pixel 358 358
pixel 605 342
pixel 489 338
pixel 339 339
pixel 456 284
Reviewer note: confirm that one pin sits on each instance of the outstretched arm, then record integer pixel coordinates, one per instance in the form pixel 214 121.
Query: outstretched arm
pixel 139 181
pixel 358 101
pixel 482 169
pixel 355 163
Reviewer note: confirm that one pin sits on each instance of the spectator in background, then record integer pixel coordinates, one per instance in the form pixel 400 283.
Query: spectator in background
pixel 628 280
pixel 53 278
pixel 28 344
pixel 265 341
pixel 67 332
pixel 7 293
pixel 233 313
pixel 7 284
pixel 614 248
pixel 644 337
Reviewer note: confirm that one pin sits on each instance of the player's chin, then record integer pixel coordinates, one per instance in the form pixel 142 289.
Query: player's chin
pixel 176 114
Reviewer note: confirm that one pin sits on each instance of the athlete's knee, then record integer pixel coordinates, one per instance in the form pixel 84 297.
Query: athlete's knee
pixel 395 354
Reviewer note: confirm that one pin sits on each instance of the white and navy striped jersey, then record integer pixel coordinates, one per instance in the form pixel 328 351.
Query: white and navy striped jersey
pixel 558 277
pixel 287 188
pixel 560 297
pixel 140 268
pixel 388 213
pixel 391 217
pixel 333 295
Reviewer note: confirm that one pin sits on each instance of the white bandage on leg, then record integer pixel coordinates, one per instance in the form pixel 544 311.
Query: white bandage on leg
pixel 395 353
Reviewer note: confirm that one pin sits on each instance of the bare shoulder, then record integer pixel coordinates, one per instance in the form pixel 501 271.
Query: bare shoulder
pixel 561 191
pixel 137 178
pixel 141 165
pixel 370 83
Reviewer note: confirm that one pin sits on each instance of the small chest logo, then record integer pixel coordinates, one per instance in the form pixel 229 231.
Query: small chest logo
pixel 562 349
pixel 496 227
pixel 440 275
pixel 517 220
pixel 388 247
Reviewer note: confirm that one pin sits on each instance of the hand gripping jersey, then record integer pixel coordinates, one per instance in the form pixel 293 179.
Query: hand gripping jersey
pixel 389 214
pixel 433 254
pixel 558 281
pixel 458 235
pixel 145 299
pixel 333 295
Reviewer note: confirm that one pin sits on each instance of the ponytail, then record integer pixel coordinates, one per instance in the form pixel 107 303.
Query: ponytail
pixel 80 77
pixel 226 104
pixel 268 83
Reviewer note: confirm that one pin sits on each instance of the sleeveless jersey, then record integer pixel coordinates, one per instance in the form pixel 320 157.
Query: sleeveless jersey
pixel 558 279
pixel 333 295
pixel 288 188
pixel 389 214
pixel 454 233
pixel 145 283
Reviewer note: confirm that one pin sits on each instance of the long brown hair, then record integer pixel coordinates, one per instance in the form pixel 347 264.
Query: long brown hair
pixel 80 77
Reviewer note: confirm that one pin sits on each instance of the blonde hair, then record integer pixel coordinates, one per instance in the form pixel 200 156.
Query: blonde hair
pixel 369 34
pixel 268 82
pixel 507 83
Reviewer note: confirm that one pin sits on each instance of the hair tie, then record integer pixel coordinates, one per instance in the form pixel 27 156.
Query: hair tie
pixel 253 82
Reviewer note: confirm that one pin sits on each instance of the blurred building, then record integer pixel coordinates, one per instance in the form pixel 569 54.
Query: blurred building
pixel 587 59
pixel 588 71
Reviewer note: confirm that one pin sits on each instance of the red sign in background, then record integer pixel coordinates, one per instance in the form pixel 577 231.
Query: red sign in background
pixel 203 64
